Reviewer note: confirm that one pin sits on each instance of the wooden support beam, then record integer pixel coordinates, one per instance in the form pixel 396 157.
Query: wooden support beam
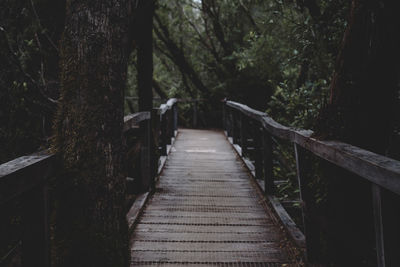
pixel 268 164
pixel 377 211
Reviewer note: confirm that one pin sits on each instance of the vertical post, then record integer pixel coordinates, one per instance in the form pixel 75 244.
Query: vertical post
pixel 258 150
pixel 224 123
pixel 169 133
pixel 195 113
pixel 234 123
pixel 35 240
pixel 243 137
pixel 145 159
pixel 175 117
pixel 268 165
pixel 300 158
pixel 163 134
pixel 377 211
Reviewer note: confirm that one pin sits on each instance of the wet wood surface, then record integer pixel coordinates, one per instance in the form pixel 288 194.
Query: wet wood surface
pixel 206 211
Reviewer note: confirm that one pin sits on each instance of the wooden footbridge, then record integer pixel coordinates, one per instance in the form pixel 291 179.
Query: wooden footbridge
pixel 209 197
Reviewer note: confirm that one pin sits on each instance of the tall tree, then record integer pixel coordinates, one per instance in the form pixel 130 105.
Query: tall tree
pixel 361 111
pixel 145 54
pixel 91 228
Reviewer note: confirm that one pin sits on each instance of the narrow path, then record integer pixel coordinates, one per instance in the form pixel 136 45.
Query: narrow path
pixel 205 211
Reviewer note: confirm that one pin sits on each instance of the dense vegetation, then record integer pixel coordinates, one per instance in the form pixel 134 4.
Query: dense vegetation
pixel 289 58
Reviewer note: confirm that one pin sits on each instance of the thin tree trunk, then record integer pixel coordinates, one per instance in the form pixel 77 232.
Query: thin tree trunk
pixel 145 55
pixel 91 228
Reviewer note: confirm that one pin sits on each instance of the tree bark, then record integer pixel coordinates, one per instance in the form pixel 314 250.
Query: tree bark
pixel 361 112
pixel 145 55
pixel 90 223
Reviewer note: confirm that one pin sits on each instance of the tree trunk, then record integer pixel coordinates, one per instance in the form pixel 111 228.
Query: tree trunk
pixel 145 55
pixel 91 228
pixel 361 112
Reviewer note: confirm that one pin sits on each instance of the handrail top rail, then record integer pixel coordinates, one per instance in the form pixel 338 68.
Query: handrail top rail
pixel 376 168
pixel 164 107
pixel 132 120
pixel 24 173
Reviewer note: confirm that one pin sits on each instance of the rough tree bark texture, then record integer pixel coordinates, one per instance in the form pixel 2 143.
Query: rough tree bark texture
pixel 91 228
pixel 145 54
pixel 361 111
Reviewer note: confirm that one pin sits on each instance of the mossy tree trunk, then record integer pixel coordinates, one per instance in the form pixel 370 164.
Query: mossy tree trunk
pixel 90 222
pixel 361 111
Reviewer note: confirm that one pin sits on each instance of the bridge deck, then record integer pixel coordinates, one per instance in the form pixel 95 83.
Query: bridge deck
pixel 205 211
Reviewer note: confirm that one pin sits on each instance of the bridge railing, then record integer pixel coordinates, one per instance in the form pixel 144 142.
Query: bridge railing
pixel 243 123
pixel 25 181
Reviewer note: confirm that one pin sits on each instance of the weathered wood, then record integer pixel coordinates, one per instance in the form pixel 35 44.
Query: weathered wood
pixel 268 163
pixel 206 210
pixel 377 211
pixel 24 173
pixel 163 137
pixel 195 111
pixel 147 181
pixel 378 169
pixel 133 120
pixel 259 172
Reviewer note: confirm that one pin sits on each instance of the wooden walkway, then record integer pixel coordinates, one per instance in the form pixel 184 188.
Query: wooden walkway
pixel 206 211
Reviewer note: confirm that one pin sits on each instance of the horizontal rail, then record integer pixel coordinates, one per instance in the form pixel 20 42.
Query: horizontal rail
pixel 164 107
pixel 133 120
pixel 376 168
pixel 22 174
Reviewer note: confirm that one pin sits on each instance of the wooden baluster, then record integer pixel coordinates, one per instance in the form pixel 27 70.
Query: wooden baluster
pixel 145 156
pixel 195 114
pixel 224 122
pixel 175 108
pixel 268 164
pixel 243 136
pixel 169 126
pixel 35 239
pixel 258 153
pixel 377 211
pixel 229 121
pixel 163 134
pixel 234 126
pixel 301 181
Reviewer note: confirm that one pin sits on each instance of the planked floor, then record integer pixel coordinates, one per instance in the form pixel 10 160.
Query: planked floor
pixel 205 211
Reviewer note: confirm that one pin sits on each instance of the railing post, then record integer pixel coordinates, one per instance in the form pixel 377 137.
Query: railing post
pixel 164 136
pixel 268 164
pixel 378 224
pixel 300 172
pixel 236 127
pixel 243 137
pixel 195 113
pixel 258 150
pixel 175 109
pixel 145 156
pixel 224 123
pixel 35 239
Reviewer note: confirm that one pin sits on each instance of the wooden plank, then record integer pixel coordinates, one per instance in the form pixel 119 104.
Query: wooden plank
pixel 24 173
pixel 377 211
pixel 133 120
pixel 209 257
pixel 203 246
pixel 136 209
pixel 206 208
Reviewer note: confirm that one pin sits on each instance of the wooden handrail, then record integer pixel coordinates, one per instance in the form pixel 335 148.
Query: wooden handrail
pixel 380 171
pixel 25 178
pixel 376 168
